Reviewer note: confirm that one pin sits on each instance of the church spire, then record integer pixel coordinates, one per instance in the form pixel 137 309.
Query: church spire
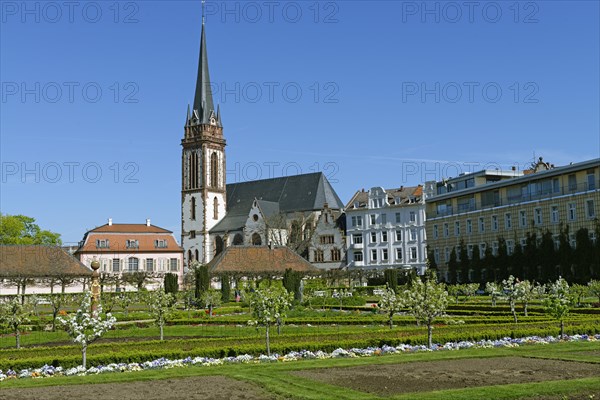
pixel 204 109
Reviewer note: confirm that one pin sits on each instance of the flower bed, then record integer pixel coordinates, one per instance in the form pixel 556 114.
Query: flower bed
pixel 47 371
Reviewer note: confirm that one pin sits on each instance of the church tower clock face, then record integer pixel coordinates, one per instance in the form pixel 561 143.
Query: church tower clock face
pixel 203 186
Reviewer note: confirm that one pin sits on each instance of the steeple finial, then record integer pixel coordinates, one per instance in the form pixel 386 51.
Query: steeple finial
pixel 203 106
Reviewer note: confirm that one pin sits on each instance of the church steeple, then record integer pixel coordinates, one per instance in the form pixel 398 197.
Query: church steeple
pixel 204 111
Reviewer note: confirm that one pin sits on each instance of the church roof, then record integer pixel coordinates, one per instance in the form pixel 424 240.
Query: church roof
pixel 288 194
pixel 258 259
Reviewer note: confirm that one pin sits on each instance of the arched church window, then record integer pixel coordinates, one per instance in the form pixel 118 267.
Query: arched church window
pixel 215 208
pixel 218 245
pixel 214 170
pixel 256 239
pixel 193 208
pixel 197 255
pixel 238 240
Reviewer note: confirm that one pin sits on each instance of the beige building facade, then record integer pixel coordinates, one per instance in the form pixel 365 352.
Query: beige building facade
pixel 484 207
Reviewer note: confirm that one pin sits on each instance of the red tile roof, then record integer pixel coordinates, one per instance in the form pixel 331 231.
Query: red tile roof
pixel 130 228
pixel 259 259
pixel 39 261
pixel 117 243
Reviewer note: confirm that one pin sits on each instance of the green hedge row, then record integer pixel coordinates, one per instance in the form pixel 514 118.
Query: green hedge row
pixel 283 345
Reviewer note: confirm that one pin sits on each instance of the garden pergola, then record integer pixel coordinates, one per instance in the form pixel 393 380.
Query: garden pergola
pixel 20 264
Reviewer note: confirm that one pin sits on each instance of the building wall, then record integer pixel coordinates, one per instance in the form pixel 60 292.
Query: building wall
pixel 374 238
pixel 321 244
pixel 511 218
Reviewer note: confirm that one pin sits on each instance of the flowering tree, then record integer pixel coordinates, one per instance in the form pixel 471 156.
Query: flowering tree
pixel 211 298
pixel 427 301
pixel 161 308
pixel 558 301
pixel 269 306
pixel 58 301
pixel 494 290
pixel 125 300
pixel 526 291
pixel 391 303
pixel 455 291
pixel 594 288
pixel 470 289
pixel 14 315
pixel 511 293
pixel 84 327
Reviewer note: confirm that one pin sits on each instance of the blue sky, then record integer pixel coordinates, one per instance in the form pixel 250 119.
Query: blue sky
pixel 376 93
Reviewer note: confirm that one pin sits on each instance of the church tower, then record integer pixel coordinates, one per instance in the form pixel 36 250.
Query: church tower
pixel 203 193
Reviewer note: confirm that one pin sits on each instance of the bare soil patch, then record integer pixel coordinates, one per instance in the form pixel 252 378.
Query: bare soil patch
pixel 391 379
pixel 205 387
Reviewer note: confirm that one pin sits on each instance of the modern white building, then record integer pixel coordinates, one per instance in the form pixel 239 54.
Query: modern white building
pixel 386 229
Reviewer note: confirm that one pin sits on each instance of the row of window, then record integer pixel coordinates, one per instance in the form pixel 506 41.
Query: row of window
pixel 133 264
pixel 131 244
pixel 384 253
pixel 523 221
pixel 336 255
pixel 357 238
pixel 374 219
pixel 215 208
pixel 510 247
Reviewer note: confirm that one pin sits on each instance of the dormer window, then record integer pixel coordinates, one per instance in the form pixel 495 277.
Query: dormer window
pixel 160 244
pixel 132 244
pixel 102 244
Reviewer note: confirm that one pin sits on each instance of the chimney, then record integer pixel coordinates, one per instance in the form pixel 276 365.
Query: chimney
pixel 110 222
pixel 147 221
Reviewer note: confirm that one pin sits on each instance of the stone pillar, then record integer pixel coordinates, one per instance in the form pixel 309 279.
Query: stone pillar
pixel 95 286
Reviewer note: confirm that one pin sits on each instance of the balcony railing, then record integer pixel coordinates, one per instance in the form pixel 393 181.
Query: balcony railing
pixel 523 198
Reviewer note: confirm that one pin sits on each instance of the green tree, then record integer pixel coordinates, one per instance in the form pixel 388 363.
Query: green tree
pixel 517 261
pixel 391 278
pixel 22 230
pixel 464 263
pixel 489 270
pixel 531 258
pixel 547 258
pixel 225 288
pixel 426 301
pixel 202 280
pixel 501 262
pixel 171 283
pixel 476 264
pixel 565 254
pixel 583 256
pixel 292 282
pixel 558 302
pixel 452 267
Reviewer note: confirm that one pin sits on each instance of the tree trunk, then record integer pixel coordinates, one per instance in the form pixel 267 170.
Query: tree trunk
pixel 391 321
pixel 429 334
pixel 525 308
pixel 54 314
pixel 279 326
pixel 562 329
pixel 23 286
pixel 210 311
pixel 493 302
pixel 514 311
pixel 84 356
pixel 18 338
pixel 162 336
pixel 268 342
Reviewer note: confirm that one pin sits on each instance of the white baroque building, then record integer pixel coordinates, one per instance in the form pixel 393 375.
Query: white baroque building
pixel 386 229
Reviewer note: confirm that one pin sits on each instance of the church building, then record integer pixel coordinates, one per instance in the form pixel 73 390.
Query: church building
pixel 285 211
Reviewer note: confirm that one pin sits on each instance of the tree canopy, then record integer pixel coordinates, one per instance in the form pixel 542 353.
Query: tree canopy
pixel 20 229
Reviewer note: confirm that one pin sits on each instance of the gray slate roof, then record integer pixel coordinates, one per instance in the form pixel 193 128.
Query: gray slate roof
pixel 289 194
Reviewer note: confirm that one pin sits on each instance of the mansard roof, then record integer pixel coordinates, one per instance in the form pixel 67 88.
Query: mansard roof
pixel 395 197
pixel 35 261
pixel 258 260
pixel 286 195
